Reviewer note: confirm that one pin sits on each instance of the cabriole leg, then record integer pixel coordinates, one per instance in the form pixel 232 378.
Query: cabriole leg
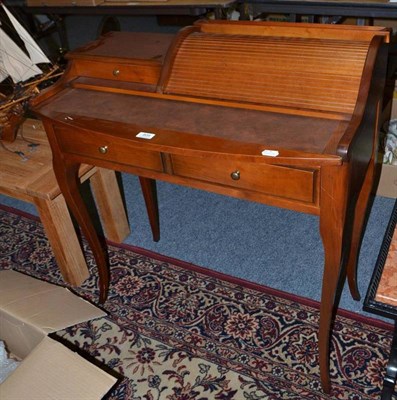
pixel 332 226
pixel 68 181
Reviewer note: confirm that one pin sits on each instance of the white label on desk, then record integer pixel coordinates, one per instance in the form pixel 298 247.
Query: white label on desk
pixel 146 135
pixel 270 153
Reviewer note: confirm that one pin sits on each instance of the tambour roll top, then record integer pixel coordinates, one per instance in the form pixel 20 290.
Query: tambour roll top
pixel 287 65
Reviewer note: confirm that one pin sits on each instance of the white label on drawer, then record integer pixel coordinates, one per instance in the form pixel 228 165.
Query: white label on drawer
pixel 270 153
pixel 146 135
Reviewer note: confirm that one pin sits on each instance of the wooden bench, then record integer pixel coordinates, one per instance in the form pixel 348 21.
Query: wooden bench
pixel 26 174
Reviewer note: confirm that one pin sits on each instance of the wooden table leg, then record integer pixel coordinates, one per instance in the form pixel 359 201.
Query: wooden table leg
pixel 342 215
pixel 110 205
pixel 359 222
pixel 345 192
pixel 67 175
pixel 150 195
pixel 332 225
pixel 61 234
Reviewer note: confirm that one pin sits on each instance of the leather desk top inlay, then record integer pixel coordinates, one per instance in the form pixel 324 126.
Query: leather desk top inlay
pixel 258 127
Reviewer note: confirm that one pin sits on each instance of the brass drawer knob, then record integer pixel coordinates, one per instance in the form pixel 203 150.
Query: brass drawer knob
pixel 116 72
pixel 103 149
pixel 235 175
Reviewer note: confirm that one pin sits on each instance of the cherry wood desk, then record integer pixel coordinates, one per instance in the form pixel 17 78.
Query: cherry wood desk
pixel 381 297
pixel 267 112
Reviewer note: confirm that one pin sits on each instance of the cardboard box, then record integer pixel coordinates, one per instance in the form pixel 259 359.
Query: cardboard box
pixel 59 3
pixel 30 309
pixel 388 181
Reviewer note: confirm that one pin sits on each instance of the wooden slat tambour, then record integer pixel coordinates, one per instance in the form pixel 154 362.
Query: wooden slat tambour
pixel 317 74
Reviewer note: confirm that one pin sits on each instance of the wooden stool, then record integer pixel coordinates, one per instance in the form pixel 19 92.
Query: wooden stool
pixel 28 176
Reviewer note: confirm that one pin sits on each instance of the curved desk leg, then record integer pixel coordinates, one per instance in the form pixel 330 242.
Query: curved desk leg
pixel 359 221
pixel 149 191
pixel 332 224
pixel 68 181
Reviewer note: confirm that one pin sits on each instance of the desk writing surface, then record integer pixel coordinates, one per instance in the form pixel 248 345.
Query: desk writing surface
pixel 290 132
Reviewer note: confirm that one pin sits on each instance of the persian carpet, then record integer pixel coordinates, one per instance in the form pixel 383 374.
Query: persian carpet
pixel 175 331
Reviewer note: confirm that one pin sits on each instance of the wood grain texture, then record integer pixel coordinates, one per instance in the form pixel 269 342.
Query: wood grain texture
pixel 292 30
pixel 61 233
pixel 297 73
pixel 292 183
pixel 110 205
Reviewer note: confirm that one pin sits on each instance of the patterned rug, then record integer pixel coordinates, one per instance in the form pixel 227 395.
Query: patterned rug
pixel 175 331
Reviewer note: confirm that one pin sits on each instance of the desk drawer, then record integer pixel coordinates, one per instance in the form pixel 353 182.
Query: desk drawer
pixel 291 183
pixel 107 148
pixel 144 72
